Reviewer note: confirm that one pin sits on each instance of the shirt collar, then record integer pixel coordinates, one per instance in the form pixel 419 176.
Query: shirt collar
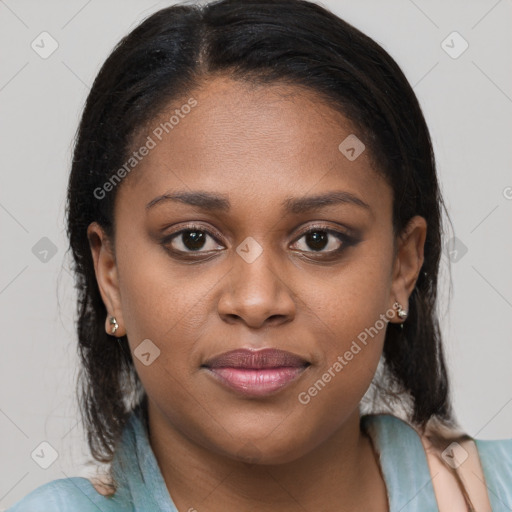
pixel 403 463
pixel 136 469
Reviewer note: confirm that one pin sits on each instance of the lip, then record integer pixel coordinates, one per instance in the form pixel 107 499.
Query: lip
pixel 256 359
pixel 256 373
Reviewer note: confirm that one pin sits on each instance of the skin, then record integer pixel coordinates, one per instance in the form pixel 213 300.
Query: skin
pixel 257 145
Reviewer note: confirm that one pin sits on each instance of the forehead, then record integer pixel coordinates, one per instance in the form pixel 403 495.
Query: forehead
pixel 249 141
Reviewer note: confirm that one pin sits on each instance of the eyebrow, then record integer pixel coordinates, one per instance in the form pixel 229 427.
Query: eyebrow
pixel 296 205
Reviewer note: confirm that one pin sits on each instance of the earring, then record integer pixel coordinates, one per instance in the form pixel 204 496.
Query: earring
pixel 114 324
pixel 402 313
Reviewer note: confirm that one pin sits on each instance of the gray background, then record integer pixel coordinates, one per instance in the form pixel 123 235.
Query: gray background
pixel 467 103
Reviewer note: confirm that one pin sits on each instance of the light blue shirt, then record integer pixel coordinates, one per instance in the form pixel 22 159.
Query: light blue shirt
pixel 142 488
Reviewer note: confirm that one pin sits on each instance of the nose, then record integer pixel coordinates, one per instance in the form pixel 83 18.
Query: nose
pixel 256 293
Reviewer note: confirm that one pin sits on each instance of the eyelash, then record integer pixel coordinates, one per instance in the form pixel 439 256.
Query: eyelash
pixel 346 240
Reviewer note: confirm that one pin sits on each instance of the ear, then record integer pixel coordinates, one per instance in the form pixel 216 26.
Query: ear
pixel 408 261
pixel 107 278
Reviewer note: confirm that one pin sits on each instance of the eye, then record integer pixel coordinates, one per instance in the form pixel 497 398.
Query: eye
pixel 324 240
pixel 192 239
pixel 321 240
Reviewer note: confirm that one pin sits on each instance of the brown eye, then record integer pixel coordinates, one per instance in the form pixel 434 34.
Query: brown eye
pixel 323 240
pixel 193 240
pixel 190 240
pixel 317 240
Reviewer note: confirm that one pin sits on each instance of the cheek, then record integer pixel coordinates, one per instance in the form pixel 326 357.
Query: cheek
pixel 351 312
pixel 351 350
pixel 165 304
pixel 158 296
pixel 352 297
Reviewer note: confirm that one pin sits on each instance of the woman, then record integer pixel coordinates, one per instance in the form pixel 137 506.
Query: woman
pixel 255 219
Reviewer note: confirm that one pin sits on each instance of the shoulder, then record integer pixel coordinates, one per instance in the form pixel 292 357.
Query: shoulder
pixel 74 493
pixel 499 451
pixel 495 456
pixel 496 460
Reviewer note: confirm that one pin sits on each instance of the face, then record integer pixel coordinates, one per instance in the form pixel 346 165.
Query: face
pixel 258 267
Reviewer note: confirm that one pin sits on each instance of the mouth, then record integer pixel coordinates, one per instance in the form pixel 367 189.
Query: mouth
pixel 256 373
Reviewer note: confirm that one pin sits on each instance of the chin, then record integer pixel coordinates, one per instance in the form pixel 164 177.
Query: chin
pixel 266 451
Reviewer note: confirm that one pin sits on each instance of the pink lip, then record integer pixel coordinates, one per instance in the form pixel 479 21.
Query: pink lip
pixel 256 373
pixel 256 382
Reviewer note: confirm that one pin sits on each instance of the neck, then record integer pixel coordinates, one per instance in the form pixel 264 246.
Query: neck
pixel 340 474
